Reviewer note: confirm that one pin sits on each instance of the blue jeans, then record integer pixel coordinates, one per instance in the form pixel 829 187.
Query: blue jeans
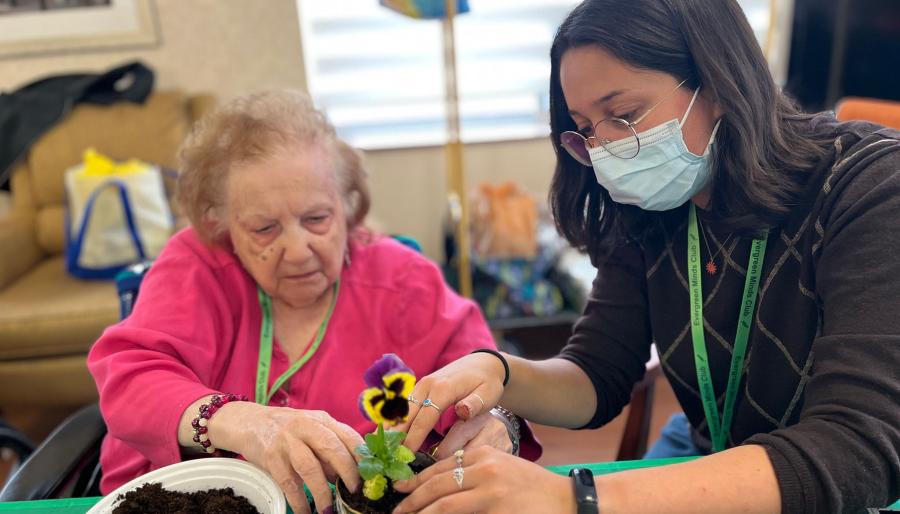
pixel 675 440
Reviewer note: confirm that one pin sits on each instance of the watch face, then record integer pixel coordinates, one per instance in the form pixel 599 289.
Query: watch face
pixel 585 491
pixel 583 476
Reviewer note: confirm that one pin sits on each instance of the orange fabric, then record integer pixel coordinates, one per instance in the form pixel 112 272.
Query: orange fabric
pixel 882 112
pixel 504 222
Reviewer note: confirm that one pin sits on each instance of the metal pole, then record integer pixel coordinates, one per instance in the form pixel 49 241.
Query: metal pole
pixel 835 84
pixel 456 179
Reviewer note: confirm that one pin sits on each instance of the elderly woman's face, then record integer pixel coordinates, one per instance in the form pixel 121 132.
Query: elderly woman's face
pixel 287 224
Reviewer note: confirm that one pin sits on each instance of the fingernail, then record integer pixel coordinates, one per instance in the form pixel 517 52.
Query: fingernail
pixel 401 483
pixel 463 411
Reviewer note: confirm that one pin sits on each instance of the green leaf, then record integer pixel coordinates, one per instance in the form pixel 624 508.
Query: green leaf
pixel 374 488
pixel 364 450
pixel 375 442
pixel 404 454
pixel 397 470
pixel 393 439
pixel 370 467
pixel 382 447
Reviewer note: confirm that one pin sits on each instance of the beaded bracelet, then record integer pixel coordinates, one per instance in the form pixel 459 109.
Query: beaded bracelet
pixel 199 424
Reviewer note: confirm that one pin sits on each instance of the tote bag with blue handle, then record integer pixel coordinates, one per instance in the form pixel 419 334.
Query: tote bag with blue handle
pixel 117 214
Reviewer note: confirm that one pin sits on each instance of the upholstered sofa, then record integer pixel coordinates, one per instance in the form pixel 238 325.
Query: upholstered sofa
pixel 48 319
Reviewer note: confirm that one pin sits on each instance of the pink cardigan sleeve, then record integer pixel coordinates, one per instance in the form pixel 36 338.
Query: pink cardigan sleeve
pixel 150 367
pixel 433 315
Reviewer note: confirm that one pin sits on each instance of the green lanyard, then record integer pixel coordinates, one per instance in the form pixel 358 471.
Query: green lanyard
pixel 718 432
pixel 265 348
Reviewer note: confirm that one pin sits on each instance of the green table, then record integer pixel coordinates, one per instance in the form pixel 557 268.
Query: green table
pixel 82 505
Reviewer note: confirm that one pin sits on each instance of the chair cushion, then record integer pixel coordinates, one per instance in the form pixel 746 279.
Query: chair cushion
pixel 47 312
pixel 46 381
pixel 50 229
pixel 151 132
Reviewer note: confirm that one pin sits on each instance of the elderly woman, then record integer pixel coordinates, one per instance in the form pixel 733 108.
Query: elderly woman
pixel 270 309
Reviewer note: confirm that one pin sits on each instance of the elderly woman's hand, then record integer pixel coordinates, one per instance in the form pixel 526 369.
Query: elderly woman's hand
pixel 296 447
pixel 486 429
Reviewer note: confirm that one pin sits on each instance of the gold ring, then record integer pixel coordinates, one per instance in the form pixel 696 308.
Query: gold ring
pixel 412 399
pixel 483 405
pixel 429 403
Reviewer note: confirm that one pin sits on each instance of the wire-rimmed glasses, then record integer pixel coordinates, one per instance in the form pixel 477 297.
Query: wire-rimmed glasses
pixel 617 136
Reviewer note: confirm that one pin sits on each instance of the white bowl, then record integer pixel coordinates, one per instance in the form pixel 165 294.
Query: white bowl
pixel 244 478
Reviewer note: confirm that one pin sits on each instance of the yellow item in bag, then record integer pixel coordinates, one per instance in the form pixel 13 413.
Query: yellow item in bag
pixel 96 165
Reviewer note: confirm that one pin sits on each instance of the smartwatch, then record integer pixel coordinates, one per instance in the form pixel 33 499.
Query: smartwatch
pixel 585 491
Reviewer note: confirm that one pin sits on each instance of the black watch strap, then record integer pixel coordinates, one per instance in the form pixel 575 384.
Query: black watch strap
pixel 585 491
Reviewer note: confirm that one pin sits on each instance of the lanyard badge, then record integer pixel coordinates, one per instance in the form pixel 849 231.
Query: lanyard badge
pixel 718 431
pixel 263 393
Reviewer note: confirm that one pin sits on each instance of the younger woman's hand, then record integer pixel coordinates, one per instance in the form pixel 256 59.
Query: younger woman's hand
pixel 493 482
pixel 470 385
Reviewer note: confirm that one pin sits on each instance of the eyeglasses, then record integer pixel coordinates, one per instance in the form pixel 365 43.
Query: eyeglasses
pixel 615 135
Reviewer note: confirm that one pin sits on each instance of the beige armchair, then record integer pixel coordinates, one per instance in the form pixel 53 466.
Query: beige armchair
pixel 48 319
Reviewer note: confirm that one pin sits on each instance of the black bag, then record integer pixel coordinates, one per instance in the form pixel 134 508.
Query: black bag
pixel 29 112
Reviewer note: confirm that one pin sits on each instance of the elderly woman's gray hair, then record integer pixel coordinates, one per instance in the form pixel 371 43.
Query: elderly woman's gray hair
pixel 250 129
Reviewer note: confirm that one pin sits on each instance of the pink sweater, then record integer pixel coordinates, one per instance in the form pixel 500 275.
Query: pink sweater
pixel 195 331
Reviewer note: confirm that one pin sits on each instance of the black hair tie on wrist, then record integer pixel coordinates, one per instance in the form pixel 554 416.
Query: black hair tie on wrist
pixel 500 356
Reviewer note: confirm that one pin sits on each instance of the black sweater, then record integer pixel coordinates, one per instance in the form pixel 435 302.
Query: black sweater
pixel 821 384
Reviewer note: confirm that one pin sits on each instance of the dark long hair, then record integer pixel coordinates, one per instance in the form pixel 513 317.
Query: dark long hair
pixel 763 153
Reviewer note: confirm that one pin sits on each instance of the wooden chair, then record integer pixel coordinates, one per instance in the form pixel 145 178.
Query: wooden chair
pixel 633 444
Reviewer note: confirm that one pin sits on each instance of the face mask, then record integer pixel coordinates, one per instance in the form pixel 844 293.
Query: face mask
pixel 663 175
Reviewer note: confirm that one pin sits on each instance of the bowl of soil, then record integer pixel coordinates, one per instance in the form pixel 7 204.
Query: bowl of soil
pixel 200 485
pixel 346 502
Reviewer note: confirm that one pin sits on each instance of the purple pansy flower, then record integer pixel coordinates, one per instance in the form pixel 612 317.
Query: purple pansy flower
pixel 389 383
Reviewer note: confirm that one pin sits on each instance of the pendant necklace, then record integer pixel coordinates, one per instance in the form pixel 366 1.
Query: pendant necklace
pixel 711 267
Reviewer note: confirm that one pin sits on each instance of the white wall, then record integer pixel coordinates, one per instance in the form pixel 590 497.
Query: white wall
pixel 224 46
pixel 409 186
pixel 230 47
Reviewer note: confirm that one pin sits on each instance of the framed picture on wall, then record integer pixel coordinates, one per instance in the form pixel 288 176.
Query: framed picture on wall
pixel 38 27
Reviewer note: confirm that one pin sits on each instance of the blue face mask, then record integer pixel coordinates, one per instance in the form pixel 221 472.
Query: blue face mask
pixel 662 176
